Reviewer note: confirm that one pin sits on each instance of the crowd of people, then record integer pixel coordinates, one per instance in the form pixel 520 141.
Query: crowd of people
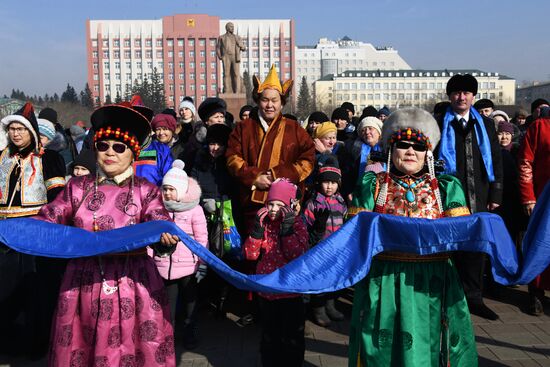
pixel 286 185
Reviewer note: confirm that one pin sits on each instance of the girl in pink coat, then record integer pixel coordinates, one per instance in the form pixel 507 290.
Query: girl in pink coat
pixel 183 270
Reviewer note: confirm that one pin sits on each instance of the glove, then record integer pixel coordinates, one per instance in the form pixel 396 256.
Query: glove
pixel 258 230
pixel 201 273
pixel 209 205
pixel 287 225
pixel 321 217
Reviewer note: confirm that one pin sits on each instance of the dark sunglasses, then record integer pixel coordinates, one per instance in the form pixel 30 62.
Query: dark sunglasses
pixel 405 145
pixel 103 146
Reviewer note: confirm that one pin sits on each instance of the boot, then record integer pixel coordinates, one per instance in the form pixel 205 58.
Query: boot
pixel 332 312
pixel 535 306
pixel 320 316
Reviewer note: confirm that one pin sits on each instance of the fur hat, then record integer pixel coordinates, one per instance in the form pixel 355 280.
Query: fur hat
pixel 171 112
pixel 369 111
pixel 413 118
pixel 484 103
pixel 218 133
pixel 188 103
pixel 499 113
pixel 211 106
pixel 462 83
pixel 46 128
pixel 330 170
pixel 348 106
pixel 372 122
pixel 324 129
pixel 25 116
pixel 177 178
pixel 283 190
pixel 164 120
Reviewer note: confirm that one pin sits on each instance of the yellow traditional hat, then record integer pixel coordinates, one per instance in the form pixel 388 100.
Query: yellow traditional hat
pixel 324 129
pixel 272 82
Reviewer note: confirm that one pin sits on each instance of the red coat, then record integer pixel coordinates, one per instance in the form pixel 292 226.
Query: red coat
pixel 274 251
pixel 534 161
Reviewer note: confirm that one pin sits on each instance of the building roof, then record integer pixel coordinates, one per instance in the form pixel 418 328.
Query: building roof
pixel 414 72
pixel 534 86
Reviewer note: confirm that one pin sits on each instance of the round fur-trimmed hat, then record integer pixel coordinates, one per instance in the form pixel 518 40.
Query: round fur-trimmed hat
pixel 26 117
pixel 462 83
pixel 421 123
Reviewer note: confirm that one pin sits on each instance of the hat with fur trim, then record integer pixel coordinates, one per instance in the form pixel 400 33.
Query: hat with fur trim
pixel 26 117
pixel 218 133
pixel 421 125
pixel 484 103
pixel 211 106
pixel 462 83
pixel 499 113
pixel 188 103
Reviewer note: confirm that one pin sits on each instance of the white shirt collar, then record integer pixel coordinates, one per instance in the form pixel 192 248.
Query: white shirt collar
pixel 466 117
pixel 263 123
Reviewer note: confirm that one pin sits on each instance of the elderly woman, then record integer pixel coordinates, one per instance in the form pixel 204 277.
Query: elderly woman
pixel 112 310
pixel 358 153
pixel 411 310
pixel 30 176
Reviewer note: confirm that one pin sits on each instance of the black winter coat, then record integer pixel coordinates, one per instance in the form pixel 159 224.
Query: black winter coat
pixel 470 169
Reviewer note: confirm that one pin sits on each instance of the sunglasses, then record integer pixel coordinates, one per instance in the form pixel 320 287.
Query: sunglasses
pixel 405 145
pixel 103 146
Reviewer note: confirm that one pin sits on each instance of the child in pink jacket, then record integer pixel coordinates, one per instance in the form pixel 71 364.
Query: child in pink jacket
pixel 183 270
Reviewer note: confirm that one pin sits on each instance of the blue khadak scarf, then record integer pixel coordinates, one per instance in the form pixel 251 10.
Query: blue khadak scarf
pixel 447 151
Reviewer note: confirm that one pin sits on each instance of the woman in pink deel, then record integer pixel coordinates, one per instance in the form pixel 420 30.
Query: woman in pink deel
pixel 112 310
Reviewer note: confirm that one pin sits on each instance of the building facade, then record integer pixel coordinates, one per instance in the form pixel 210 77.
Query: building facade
pixel 404 88
pixel 334 57
pixel 182 48
pixel 527 94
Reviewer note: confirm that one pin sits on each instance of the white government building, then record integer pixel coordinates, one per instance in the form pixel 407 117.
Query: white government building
pixel 401 88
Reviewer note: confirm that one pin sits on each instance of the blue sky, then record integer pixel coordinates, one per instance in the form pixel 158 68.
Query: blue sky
pixel 42 42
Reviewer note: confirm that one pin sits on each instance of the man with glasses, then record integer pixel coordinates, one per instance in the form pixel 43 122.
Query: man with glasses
pixel 470 149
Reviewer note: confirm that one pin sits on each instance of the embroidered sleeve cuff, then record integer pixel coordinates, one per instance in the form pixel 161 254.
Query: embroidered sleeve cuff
pixel 457 212
pixel 54 182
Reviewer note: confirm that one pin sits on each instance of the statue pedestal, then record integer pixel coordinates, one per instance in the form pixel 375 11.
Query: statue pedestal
pixel 234 103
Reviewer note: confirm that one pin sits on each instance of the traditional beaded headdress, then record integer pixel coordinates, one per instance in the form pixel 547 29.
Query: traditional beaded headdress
pixel 122 136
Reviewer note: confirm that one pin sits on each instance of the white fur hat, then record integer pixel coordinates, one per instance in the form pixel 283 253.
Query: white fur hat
pixel 414 118
pixel 177 178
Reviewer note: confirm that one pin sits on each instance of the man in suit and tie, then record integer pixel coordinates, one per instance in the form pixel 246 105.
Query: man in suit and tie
pixel 470 149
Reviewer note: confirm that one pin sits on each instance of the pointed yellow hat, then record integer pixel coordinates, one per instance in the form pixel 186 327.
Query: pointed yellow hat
pixel 272 82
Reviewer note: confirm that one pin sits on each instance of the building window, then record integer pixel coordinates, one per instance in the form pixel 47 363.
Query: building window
pixel 255 53
pixel 96 88
pixel 171 87
pixel 137 42
pixel 266 53
pixel 191 42
pixel 105 42
pixel 170 76
pixel 192 87
pixel 180 64
pixel 201 42
pixel 148 54
pixel 203 64
pixel 94 43
pixel 287 41
pixel 287 53
pixel 213 65
pixel 182 88
pixel 213 87
pixel 127 54
pixel 117 54
pixel 287 75
pixel 95 66
pixel 159 43
pixel 277 53
pixel 117 76
pixel 148 42
pixel 287 64
pixel 117 65
pixel 203 76
pixel 180 42
pixel 192 65
pixel 128 79
pixel 256 65
pixel 116 43
pixel 105 54
pixel 170 53
pixel 159 54
pixel 149 64
pixel 138 64
pixel 213 42
pixel 138 54
pixel 192 76
pixel 203 87
pixel 276 42
pixel 106 65
pixel 255 42
pixel 192 54
pixel 266 64
pixel 94 54
pixel 212 53
pixel 107 76
pixel 180 76
pixel 96 77
pixel 180 54
pixel 171 98
pixel 170 65
pixel 213 76
pixel 203 53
